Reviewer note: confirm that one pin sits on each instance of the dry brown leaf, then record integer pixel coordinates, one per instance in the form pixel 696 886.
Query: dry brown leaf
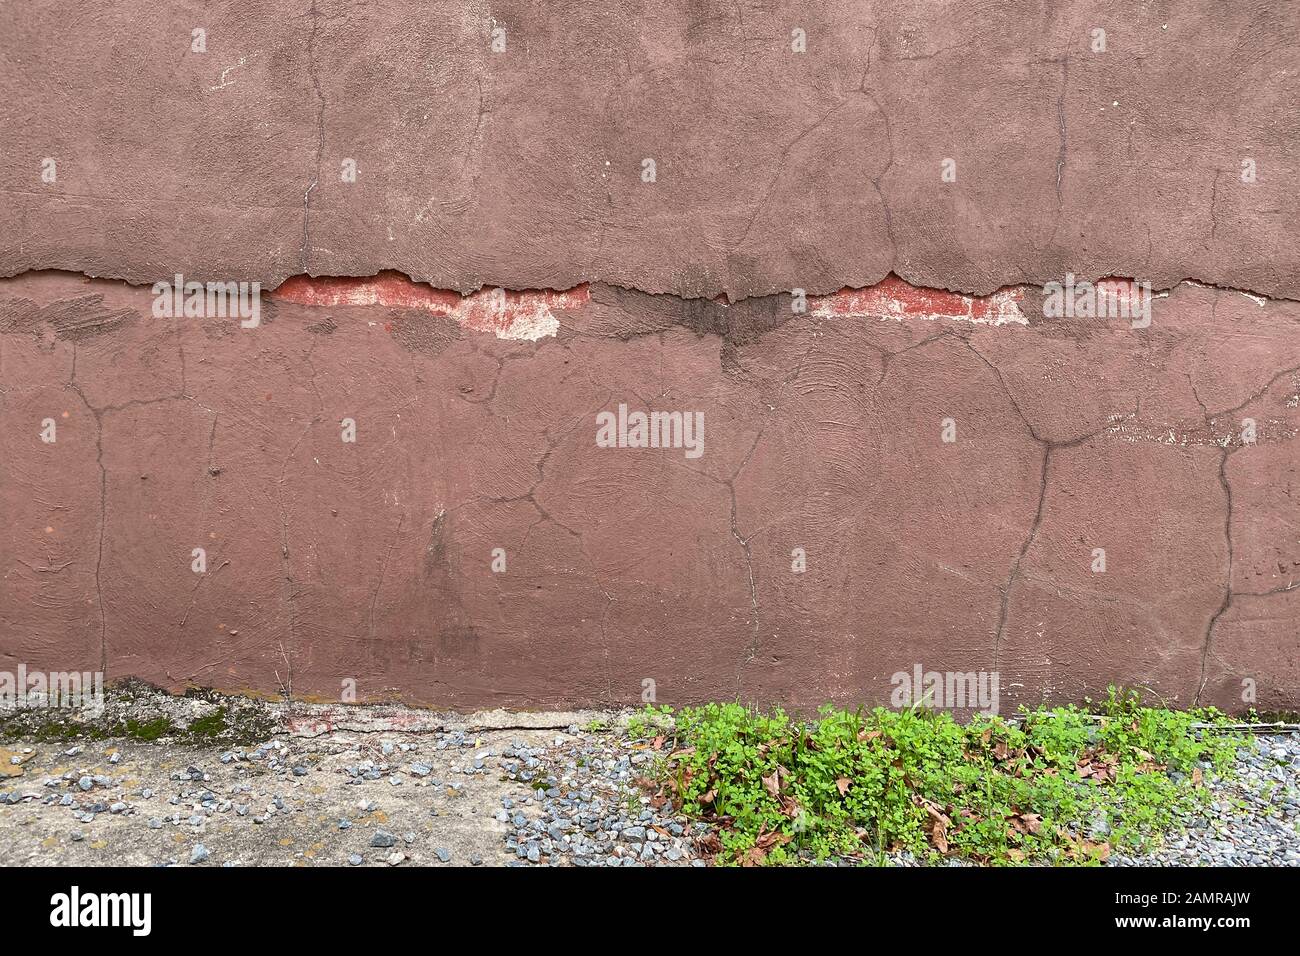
pixel 768 840
pixel 939 834
pixel 1100 850
pixel 843 784
pixel 709 844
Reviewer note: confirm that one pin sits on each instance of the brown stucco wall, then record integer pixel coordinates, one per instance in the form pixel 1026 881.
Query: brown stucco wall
pixel 476 412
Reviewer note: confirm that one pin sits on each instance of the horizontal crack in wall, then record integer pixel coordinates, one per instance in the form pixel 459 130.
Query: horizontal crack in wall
pixel 532 314
pixel 508 314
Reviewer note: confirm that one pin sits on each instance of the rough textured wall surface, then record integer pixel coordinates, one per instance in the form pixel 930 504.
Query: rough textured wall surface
pixel 552 211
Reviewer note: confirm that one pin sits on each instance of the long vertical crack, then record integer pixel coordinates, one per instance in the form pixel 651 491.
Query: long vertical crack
pixel 1227 588
pixel 103 520
pixel 1047 447
pixel 1024 549
pixel 1061 127
pixel 756 637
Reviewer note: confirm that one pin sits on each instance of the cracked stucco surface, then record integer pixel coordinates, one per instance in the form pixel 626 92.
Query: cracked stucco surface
pixel 371 561
pixel 776 171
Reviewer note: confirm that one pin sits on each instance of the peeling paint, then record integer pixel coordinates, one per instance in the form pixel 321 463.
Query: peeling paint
pixel 894 298
pixel 527 315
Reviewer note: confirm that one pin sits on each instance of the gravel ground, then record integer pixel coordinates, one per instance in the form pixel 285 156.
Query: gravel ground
pixel 1254 819
pixel 453 797
pixel 487 798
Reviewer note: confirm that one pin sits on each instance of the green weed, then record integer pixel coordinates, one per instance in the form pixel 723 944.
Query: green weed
pixel 1060 784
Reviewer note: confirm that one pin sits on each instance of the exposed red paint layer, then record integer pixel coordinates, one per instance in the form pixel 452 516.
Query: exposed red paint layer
pixel 388 288
pixel 529 314
pixel 1121 289
pixel 894 297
